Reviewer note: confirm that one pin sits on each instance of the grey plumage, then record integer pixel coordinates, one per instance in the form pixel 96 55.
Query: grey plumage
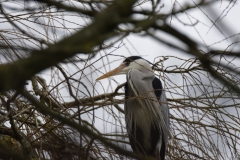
pixel 146 109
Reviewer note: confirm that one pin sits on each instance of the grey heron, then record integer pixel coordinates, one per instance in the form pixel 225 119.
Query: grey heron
pixel 146 109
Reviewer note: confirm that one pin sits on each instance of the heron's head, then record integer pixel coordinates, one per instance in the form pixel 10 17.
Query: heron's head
pixel 129 63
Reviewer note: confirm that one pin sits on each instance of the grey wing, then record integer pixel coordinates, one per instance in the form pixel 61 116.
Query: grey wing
pixel 149 106
pixel 140 83
pixel 161 96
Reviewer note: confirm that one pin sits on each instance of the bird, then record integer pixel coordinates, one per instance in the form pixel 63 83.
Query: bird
pixel 146 109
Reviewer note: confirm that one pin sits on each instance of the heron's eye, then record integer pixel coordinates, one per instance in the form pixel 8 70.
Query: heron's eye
pixel 127 63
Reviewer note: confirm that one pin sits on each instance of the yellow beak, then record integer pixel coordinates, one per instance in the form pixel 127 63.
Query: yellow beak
pixel 112 72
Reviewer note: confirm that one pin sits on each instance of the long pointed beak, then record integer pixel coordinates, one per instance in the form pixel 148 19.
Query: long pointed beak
pixel 112 72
